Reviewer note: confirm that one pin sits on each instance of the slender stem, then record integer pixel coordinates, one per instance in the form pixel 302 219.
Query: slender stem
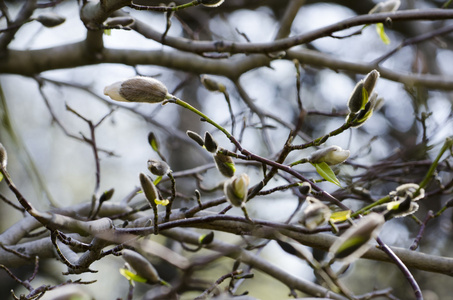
pixel 402 267
pixel 193 109
pixel 447 145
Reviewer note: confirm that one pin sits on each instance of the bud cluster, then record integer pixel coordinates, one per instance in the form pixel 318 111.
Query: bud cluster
pixel 363 100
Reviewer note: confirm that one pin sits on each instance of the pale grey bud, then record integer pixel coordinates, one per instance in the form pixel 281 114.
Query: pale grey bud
pixel 149 189
pixel 212 85
pixel 141 265
pixel 315 213
pixel 236 189
pixel 159 168
pixel 370 81
pixel 331 155
pixel 355 102
pixel 353 243
pixel 196 137
pixel 224 164
pixel 137 89
pixel 209 142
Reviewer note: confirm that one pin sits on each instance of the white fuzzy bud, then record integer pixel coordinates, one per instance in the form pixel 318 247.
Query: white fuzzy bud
pixel 332 155
pixel 137 89
pixel 315 214
pixel 236 189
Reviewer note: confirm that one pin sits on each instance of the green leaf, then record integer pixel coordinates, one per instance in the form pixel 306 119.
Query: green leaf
pixel 340 216
pixel 326 172
pixel 380 30
pixel 1 176
pixel 365 98
pixel 108 32
pixel 131 276
pixel 157 180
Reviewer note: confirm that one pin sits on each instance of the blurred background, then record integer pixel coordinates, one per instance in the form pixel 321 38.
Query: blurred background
pixel 53 169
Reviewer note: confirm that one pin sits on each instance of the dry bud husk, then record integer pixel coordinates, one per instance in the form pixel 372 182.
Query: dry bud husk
pixel 159 168
pixel 315 214
pixel 141 265
pixel 211 3
pixel 353 243
pixel 332 155
pixel 236 189
pixel 408 189
pixel 137 89
pixel 50 19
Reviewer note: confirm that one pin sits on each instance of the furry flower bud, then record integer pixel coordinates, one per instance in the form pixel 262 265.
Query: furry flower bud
pixel 196 137
pixel 158 168
pixel 209 142
pixel 353 243
pixel 138 89
pixel 236 189
pixel 149 189
pixel 212 85
pixel 315 214
pixel 224 164
pixel 141 265
pixel 332 155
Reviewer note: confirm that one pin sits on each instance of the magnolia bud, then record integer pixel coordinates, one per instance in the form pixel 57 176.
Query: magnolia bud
pixel 3 156
pixel 159 168
pixel 236 189
pixel 211 3
pixel 50 19
pixel 370 81
pixel 196 137
pixel 209 142
pixel 387 6
pixel 332 155
pixel 225 164
pixel 149 189
pixel 212 85
pixel 353 243
pixel 305 188
pixel 355 102
pixel 141 265
pixel 137 89
pixel 315 214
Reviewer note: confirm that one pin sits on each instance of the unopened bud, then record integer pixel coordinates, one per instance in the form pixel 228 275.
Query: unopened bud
pixel 107 195
pixel 50 19
pixel 225 164
pixel 332 155
pixel 196 137
pixel 212 85
pixel 209 142
pixel 141 265
pixel 315 214
pixel 355 102
pixel 149 189
pixel 211 3
pixel 370 81
pixel 159 168
pixel 236 189
pixel 138 89
pixel 353 243
pixel 305 188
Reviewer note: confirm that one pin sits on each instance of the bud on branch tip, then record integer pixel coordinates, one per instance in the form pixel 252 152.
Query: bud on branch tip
pixel 138 89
